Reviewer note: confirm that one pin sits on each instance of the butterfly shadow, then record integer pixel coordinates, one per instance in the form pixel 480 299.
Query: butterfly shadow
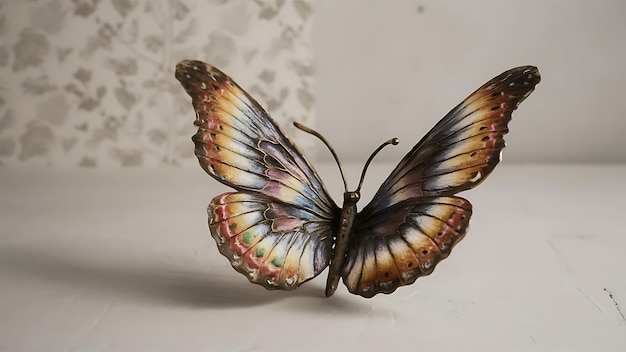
pixel 158 283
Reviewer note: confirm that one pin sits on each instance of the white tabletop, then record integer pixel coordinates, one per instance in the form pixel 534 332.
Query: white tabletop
pixel 123 261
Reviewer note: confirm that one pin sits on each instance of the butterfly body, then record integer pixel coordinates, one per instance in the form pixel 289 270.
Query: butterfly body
pixel 346 221
pixel 281 228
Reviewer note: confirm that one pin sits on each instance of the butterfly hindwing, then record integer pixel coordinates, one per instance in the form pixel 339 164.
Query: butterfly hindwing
pixel 274 245
pixel 276 230
pixel 403 242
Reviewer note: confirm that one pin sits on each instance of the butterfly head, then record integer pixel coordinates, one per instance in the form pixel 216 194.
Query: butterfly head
pixel 351 197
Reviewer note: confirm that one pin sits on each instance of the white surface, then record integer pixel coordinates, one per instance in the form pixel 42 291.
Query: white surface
pixel 123 261
pixel 397 67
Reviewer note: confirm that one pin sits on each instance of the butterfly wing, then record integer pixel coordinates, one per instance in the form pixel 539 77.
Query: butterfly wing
pixel 280 194
pixel 275 245
pixel 464 147
pixel 414 218
pixel 403 242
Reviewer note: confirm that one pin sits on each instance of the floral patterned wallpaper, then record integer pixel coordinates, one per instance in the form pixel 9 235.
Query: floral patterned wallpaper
pixel 91 82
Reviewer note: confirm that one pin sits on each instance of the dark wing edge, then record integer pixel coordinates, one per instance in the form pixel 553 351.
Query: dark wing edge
pixel 402 243
pixel 463 148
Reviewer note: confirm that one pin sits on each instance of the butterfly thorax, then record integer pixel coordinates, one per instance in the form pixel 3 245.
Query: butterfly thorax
pixel 346 220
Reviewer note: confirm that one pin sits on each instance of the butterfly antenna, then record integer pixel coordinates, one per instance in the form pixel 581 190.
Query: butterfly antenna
pixel 393 141
pixel 332 151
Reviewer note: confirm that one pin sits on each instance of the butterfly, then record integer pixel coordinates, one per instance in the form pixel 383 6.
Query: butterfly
pixel 281 228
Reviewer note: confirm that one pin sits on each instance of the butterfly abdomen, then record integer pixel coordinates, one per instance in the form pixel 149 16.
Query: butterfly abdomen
pixel 342 238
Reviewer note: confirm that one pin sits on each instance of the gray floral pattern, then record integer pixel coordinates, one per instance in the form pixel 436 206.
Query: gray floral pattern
pixel 90 82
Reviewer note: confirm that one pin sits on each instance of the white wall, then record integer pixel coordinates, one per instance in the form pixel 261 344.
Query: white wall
pixel 394 68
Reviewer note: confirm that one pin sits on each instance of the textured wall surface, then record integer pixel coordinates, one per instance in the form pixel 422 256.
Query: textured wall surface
pixel 90 82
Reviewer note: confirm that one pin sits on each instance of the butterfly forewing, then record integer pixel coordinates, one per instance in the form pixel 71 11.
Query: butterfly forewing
pixel 413 221
pixel 463 148
pixel 277 229
pixel 241 146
